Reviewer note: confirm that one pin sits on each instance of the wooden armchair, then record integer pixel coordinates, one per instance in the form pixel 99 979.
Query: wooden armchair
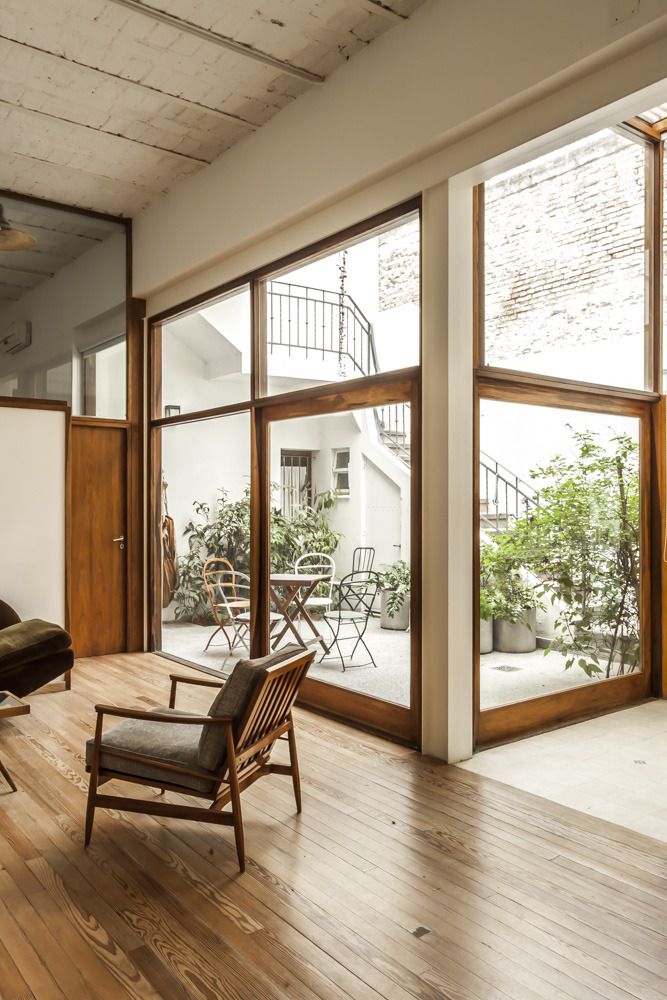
pixel 214 756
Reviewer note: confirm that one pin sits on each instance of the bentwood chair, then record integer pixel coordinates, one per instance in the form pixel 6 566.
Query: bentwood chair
pixel 215 756
pixel 349 621
pixel 318 563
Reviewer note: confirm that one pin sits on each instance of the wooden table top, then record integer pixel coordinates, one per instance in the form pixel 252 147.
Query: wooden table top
pixel 11 705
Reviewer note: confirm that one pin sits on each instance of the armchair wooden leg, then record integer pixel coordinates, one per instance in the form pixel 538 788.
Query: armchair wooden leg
pixel 90 809
pixel 7 776
pixel 294 763
pixel 68 680
pixel 235 800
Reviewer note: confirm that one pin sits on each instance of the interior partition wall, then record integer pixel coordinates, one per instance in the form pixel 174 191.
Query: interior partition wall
pixel 286 476
pixel 569 435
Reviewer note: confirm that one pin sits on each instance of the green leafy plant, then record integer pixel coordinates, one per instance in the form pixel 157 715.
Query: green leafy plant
pixel 396 582
pixel 582 541
pixel 224 530
pixel 507 594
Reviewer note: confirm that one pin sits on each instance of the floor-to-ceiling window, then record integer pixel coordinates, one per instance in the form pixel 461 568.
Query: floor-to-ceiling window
pixel 567 378
pixel 285 468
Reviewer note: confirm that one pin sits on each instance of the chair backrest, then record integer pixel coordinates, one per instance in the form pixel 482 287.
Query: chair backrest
pixel 358 591
pixel 363 558
pixel 319 563
pixel 271 706
pixel 255 695
pixel 228 590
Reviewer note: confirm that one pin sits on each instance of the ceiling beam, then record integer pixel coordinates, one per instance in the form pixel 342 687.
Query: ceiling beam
pixel 377 7
pixel 187 102
pixel 22 109
pixel 25 270
pixel 208 35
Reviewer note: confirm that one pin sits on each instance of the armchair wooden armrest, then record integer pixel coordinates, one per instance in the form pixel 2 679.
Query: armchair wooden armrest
pixel 197 681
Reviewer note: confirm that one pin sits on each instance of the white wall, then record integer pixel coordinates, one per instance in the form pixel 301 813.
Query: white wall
pixel 465 89
pixel 32 512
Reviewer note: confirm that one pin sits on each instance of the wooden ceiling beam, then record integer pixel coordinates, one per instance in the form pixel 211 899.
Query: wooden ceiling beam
pixel 223 41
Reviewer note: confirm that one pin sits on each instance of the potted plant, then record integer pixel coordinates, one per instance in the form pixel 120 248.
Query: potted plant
pixel 513 600
pixel 395 596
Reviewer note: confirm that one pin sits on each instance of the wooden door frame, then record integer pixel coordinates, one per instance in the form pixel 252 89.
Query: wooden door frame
pixel 336 701
pixel 529 715
pixel 535 714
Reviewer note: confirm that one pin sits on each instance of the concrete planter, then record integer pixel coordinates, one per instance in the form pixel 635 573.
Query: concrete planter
pixel 515 637
pixel 400 621
pixel 486 635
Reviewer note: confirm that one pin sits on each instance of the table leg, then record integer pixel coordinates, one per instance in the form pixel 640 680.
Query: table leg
pixel 7 776
pixel 300 602
pixel 282 606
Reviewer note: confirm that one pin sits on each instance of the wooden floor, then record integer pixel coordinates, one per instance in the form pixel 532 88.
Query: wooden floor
pixel 402 878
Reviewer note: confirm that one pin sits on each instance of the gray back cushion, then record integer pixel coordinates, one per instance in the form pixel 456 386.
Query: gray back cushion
pixel 234 700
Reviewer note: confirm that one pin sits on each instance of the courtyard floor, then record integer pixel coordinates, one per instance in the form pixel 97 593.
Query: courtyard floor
pixel 509 677
pixel 390 681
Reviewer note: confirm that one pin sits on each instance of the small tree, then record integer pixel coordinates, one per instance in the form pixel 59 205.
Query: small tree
pixel 583 544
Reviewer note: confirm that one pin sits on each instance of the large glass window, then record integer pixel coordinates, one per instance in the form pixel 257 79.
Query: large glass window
pixel 560 565
pixel 340 576
pixel 565 263
pixel 62 299
pixel 206 355
pixel 347 314
pixel 205 540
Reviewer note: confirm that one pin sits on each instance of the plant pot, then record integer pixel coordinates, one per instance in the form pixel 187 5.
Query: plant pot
pixel 486 635
pixel 515 637
pixel 401 619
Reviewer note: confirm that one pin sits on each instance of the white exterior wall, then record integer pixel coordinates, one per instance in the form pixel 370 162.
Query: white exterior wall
pixel 405 117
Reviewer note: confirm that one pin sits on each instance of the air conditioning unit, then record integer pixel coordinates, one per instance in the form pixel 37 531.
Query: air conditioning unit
pixel 17 338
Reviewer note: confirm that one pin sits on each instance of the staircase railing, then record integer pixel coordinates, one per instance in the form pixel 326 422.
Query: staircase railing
pixel 317 322
pixel 503 495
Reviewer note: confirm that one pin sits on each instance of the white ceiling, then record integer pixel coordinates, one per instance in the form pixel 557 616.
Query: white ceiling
pixel 106 104
pixel 61 237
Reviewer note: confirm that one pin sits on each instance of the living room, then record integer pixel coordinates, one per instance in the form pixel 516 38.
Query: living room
pixel 272 285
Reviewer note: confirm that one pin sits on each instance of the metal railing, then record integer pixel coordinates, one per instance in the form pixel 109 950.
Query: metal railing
pixel 393 424
pixel 503 495
pixel 316 322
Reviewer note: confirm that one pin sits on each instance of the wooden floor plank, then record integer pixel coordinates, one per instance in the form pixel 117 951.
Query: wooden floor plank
pixel 401 879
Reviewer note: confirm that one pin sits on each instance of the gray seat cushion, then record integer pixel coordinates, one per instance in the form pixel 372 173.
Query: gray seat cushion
pixel 159 740
pixel 234 700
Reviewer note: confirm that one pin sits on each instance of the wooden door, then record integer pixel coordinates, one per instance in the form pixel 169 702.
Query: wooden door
pixel 98 533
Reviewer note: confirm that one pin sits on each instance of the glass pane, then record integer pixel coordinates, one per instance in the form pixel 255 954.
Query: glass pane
pixel 565 263
pixel 340 565
pixel 350 313
pixel 206 355
pixel 206 541
pixel 104 381
pixel 60 297
pixel 559 550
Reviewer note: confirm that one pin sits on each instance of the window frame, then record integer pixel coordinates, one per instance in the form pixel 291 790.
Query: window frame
pixel 510 385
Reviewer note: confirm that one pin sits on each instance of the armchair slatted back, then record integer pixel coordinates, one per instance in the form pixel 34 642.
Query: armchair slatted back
pixel 269 711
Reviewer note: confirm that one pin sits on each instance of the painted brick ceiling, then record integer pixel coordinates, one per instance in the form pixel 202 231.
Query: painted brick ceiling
pixel 106 104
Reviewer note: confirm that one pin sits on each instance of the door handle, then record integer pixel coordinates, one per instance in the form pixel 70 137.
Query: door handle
pixel 121 539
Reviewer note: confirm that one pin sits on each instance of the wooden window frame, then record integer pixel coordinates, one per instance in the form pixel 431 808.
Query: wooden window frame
pixel 402 385
pixel 530 715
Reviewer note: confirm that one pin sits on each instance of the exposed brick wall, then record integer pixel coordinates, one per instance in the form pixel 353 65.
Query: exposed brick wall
pixel 564 249
pixel 398 266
